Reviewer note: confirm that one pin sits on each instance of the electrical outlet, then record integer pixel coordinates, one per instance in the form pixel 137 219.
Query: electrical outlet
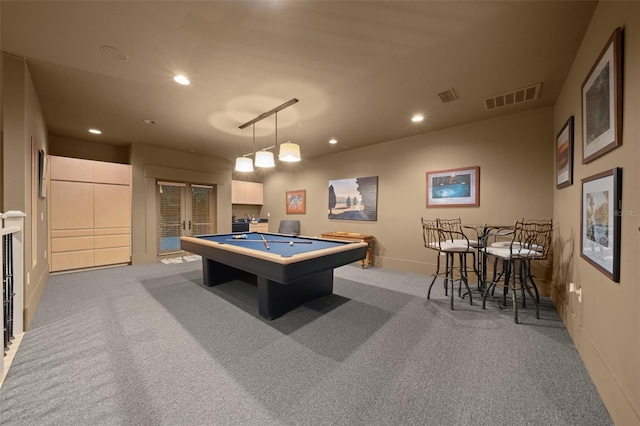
pixel 573 288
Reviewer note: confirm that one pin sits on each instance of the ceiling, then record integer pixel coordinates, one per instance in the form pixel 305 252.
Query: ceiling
pixel 360 69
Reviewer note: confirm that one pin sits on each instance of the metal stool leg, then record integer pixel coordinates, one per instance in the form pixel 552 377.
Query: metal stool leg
pixel 435 276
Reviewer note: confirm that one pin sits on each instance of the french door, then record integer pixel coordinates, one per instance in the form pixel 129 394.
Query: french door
pixel 182 209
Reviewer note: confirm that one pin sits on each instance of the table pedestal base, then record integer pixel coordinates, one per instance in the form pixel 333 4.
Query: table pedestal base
pixel 274 299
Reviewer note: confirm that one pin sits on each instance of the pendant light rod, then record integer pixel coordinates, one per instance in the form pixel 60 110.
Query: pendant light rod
pixel 269 113
pixel 249 154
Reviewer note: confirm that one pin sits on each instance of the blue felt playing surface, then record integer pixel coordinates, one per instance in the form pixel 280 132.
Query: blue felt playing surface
pixel 254 242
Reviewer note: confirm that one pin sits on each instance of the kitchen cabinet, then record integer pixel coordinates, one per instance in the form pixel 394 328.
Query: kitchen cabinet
pixel 259 227
pixel 246 192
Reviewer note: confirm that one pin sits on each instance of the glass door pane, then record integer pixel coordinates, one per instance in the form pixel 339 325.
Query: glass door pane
pixel 170 217
pixel 201 207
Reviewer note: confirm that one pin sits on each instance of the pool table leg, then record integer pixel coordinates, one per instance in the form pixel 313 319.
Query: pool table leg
pixel 276 299
pixel 214 273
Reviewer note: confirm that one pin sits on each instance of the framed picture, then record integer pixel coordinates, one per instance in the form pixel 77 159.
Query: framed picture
pixel 454 187
pixel 600 223
pixel 564 155
pixel 42 173
pixel 602 102
pixel 354 198
pixel 296 202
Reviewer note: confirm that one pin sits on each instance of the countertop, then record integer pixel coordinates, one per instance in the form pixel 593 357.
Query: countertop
pixel 248 221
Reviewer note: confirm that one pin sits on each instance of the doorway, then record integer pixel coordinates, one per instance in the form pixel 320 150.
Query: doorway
pixel 182 209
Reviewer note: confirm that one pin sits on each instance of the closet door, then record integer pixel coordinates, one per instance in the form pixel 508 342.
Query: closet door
pixel 112 206
pixel 71 209
pixel 89 213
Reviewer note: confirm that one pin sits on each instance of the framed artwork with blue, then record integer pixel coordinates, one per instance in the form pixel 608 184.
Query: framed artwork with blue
pixel 454 187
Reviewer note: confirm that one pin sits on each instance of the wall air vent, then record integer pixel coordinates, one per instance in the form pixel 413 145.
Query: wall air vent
pixel 514 97
pixel 447 96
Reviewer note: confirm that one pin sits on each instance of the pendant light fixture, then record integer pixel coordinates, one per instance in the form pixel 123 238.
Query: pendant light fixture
pixel 244 164
pixel 264 159
pixel 289 152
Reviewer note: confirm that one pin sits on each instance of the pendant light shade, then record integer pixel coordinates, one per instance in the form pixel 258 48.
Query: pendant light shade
pixel 244 164
pixel 289 152
pixel 264 159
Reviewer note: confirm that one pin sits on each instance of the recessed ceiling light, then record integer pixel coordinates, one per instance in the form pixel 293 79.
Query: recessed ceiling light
pixel 95 131
pixel 333 141
pixel 181 79
pixel 417 118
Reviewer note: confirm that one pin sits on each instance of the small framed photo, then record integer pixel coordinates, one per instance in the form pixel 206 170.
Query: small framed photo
pixel 42 173
pixel 564 155
pixel 296 201
pixel 454 187
pixel 602 102
pixel 600 223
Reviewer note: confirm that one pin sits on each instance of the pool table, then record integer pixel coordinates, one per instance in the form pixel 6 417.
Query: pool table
pixel 289 270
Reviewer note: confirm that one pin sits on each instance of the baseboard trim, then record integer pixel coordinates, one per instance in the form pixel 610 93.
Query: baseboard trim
pixel 618 403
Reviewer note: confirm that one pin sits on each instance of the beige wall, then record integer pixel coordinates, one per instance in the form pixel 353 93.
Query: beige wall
pixel 150 164
pixel 23 123
pixel 606 325
pixel 87 150
pixel 516 181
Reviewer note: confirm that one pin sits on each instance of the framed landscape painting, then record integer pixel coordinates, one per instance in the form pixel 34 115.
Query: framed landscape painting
pixel 354 198
pixel 602 102
pixel 454 187
pixel 600 223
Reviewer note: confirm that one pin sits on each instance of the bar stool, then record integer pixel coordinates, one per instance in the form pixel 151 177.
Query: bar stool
pixel 450 243
pixel 531 240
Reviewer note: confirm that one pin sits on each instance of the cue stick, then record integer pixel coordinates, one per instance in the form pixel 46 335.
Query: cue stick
pixel 240 240
pixel 266 244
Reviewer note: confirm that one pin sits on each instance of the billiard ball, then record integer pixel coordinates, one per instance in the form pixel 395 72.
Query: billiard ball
pixel 290 243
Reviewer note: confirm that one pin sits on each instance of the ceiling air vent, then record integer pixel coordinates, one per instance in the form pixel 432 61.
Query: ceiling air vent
pixel 447 96
pixel 515 97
